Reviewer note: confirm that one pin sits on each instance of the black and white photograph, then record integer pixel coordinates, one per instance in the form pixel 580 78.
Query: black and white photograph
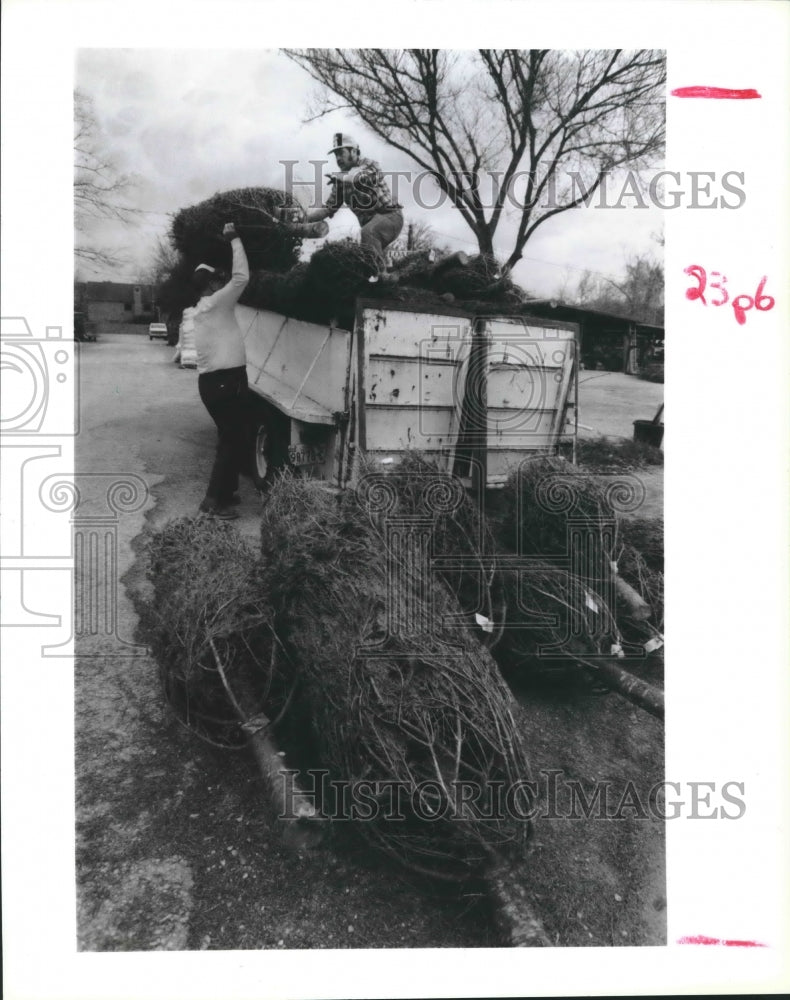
pixel 399 600
pixel 334 509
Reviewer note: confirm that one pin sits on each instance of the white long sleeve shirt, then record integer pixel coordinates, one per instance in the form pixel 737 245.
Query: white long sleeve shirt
pixel 218 340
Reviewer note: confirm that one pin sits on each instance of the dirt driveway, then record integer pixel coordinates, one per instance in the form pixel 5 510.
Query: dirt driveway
pixel 174 847
pixel 610 402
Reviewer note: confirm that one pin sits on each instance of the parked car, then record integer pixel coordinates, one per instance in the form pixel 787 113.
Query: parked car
pixel 83 330
pixel 157 330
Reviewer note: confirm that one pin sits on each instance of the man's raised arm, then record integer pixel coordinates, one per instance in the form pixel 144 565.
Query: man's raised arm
pixel 231 293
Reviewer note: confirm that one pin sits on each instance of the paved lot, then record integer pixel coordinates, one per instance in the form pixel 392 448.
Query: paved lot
pixel 174 848
pixel 610 402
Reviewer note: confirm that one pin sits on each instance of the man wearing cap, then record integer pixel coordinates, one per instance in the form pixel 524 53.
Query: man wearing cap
pixel 360 184
pixel 222 373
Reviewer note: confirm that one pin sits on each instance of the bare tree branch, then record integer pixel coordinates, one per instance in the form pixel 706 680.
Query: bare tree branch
pixel 100 191
pixel 540 114
pixel 639 294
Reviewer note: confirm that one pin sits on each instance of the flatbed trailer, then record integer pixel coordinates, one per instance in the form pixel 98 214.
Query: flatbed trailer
pixel 465 391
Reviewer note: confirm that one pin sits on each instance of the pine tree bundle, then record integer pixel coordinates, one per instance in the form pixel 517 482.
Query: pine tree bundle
pixel 210 629
pixel 338 272
pixel 279 292
pixel 322 290
pixel 480 278
pixel 196 232
pixel 430 716
pixel 415 269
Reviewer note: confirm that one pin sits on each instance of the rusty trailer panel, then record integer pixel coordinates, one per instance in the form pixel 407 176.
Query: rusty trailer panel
pixel 397 429
pixel 409 364
pixel 413 373
pixel 397 381
pixel 404 333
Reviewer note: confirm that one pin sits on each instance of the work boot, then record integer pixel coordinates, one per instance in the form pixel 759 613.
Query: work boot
pixel 220 512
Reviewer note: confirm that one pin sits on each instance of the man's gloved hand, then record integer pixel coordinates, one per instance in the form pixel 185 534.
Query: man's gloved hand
pixel 229 232
pixel 290 214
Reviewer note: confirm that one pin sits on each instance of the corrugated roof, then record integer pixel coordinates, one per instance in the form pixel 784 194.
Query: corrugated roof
pixel 561 311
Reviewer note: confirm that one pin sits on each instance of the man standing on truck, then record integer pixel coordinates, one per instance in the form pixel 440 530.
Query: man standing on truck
pixel 360 184
pixel 222 374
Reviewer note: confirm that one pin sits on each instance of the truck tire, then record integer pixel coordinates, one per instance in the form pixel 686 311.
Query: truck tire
pixel 267 448
pixel 261 466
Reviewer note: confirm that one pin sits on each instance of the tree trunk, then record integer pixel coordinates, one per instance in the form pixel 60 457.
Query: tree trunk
pixel 638 692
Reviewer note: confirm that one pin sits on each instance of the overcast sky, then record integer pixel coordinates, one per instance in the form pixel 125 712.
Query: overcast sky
pixel 189 123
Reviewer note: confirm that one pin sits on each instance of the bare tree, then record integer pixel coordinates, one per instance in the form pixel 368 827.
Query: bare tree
pixel 162 261
pixel 421 236
pixel 100 191
pixel 417 236
pixel 557 122
pixel 639 294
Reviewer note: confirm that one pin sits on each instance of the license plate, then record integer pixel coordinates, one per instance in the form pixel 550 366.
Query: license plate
pixel 300 454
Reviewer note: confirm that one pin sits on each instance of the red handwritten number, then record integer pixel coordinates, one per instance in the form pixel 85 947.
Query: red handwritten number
pixel 741 310
pixel 699 292
pixel 761 302
pixel 741 304
pixel 759 297
pixel 725 295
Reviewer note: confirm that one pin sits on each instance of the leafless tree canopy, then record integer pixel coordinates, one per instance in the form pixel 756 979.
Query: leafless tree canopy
pixel 100 191
pixel 639 294
pixel 532 118
pixel 162 261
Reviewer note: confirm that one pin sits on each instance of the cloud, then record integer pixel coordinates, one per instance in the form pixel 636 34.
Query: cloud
pixel 201 98
pixel 189 123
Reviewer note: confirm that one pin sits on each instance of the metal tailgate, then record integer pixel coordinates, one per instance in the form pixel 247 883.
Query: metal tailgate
pixel 413 375
pixel 301 368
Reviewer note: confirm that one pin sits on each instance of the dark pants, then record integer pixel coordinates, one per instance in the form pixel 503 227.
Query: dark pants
pixel 224 394
pixel 380 232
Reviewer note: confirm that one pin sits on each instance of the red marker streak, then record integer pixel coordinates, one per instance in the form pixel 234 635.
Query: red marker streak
pixel 719 93
pixel 702 939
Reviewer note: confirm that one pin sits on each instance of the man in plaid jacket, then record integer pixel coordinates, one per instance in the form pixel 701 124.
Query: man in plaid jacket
pixel 360 184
